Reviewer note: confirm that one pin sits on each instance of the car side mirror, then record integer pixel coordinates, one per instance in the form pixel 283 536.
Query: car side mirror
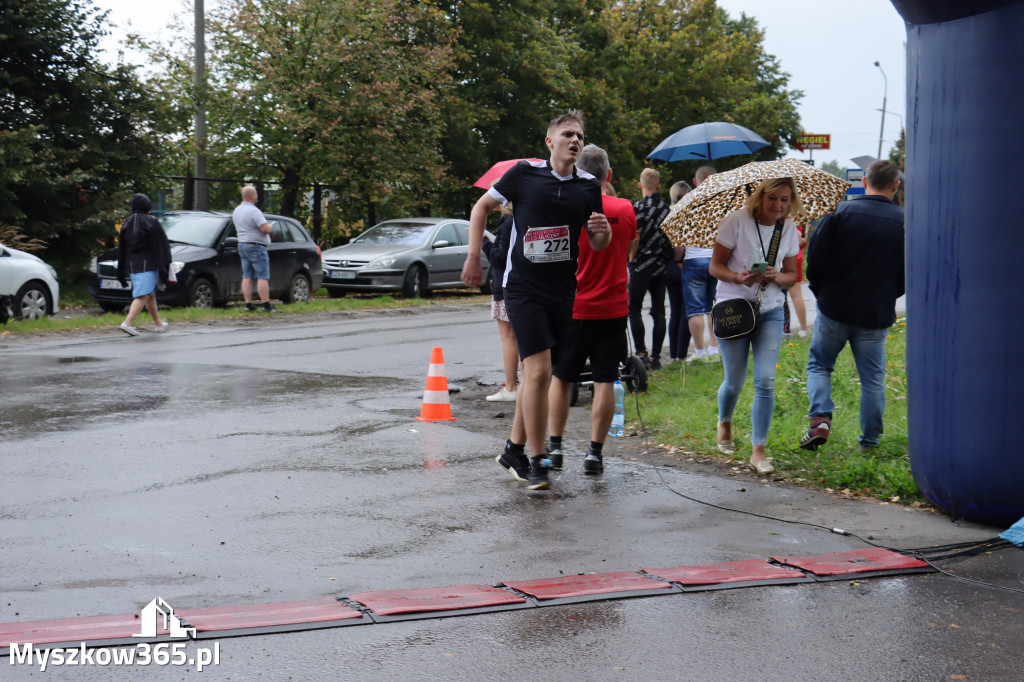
pixel 231 242
pixel 441 243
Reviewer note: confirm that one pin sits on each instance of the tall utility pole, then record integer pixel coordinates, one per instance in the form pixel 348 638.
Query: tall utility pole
pixel 885 95
pixel 202 203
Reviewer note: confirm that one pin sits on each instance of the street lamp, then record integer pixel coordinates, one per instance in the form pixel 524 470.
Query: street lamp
pixel 885 95
pixel 893 113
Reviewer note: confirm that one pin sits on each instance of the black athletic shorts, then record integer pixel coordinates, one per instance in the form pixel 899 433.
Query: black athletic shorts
pixel 538 325
pixel 602 341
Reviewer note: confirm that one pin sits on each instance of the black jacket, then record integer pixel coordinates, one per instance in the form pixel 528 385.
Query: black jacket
pixel 497 253
pixel 654 248
pixel 855 262
pixel 142 245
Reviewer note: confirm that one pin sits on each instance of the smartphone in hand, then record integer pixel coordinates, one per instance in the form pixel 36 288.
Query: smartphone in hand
pixel 759 267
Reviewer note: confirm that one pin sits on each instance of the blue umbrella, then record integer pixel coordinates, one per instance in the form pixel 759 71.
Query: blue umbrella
pixel 707 141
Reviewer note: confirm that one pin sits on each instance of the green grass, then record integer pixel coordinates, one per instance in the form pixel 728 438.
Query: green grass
pixel 77 297
pixel 680 409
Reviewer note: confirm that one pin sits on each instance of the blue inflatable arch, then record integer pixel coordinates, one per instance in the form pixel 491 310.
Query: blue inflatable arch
pixel 965 255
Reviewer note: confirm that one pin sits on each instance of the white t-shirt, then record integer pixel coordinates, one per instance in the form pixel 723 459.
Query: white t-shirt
pixel 738 231
pixel 695 252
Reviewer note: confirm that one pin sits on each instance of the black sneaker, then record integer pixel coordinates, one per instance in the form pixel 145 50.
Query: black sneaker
pixel 655 363
pixel 516 464
pixel 250 307
pixel 555 455
pixel 538 476
pixel 267 308
pixel 593 464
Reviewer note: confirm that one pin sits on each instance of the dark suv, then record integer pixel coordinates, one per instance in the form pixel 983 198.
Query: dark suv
pixel 204 250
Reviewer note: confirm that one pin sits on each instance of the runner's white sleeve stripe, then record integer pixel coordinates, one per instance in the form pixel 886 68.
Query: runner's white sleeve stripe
pixel 496 195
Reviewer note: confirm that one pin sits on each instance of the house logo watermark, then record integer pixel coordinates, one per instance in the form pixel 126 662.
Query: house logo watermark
pixel 156 616
pixel 151 614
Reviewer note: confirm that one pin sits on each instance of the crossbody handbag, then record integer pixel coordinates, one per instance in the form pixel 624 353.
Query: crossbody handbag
pixel 736 318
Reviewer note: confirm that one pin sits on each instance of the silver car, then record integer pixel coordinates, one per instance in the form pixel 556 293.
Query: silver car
pixel 410 255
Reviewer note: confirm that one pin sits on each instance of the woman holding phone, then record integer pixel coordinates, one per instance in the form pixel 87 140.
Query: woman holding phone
pixel 740 262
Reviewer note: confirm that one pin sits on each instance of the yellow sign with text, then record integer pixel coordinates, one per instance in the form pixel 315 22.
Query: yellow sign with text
pixel 805 141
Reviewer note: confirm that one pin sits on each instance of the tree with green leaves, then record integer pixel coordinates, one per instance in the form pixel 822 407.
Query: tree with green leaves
pixel 75 135
pixel 513 70
pixel 347 93
pixel 652 68
pixel 834 168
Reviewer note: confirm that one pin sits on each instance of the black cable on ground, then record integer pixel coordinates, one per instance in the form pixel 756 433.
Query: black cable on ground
pixel 925 554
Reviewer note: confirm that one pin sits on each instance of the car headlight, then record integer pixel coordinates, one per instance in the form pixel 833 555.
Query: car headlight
pixel 385 262
pixel 177 266
pixel 92 265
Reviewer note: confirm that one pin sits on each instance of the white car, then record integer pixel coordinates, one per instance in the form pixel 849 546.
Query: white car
pixel 31 283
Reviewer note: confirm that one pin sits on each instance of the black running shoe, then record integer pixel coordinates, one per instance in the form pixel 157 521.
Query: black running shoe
pixel 593 464
pixel 516 464
pixel 250 307
pixel 538 477
pixel 555 455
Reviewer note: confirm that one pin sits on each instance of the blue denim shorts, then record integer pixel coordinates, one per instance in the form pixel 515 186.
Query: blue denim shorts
pixel 699 287
pixel 255 261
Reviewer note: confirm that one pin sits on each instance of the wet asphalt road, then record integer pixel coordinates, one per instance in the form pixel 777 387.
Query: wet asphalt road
pixel 225 465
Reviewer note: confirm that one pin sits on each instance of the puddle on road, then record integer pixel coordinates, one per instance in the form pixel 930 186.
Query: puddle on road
pixel 52 395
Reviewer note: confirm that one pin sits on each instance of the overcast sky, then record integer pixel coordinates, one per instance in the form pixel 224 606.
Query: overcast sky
pixel 828 47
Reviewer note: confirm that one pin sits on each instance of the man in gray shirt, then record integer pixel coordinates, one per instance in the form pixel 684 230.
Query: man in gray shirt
pixel 253 239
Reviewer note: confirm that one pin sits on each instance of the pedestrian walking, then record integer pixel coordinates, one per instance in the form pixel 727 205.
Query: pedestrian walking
pixel 144 256
pixel 762 233
pixel 855 266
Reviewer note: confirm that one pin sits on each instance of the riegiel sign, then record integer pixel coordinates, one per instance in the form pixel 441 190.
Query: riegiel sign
pixel 806 141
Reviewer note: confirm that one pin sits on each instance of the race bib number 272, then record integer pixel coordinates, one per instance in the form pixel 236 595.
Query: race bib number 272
pixel 546 244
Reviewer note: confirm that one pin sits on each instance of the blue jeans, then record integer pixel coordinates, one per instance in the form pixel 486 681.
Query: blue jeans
pixel 735 352
pixel 868 346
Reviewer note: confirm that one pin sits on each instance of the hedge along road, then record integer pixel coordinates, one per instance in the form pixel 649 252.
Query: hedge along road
pixel 278 459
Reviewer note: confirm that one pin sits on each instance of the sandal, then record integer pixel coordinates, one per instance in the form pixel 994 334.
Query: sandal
pixel 726 447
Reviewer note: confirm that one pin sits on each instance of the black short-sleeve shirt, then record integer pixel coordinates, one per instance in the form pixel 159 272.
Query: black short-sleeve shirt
pixel 548 213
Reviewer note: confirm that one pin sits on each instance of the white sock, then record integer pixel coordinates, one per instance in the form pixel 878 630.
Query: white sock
pixel 700 352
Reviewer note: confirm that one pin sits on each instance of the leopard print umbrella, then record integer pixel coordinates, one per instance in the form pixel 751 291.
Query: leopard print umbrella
pixel 693 220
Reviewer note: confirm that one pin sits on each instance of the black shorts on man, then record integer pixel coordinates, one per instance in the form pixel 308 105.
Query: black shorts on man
pixel 603 342
pixel 537 325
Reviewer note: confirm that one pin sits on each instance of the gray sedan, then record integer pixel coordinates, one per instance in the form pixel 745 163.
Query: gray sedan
pixel 410 255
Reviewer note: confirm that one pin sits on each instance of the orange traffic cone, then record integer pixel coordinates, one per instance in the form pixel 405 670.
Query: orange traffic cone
pixel 436 405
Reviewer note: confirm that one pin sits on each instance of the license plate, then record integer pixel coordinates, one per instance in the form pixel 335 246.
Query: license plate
pixel 111 284
pixel 342 274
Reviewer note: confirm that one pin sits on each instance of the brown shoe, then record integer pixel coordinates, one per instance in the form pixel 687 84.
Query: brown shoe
pixel 817 435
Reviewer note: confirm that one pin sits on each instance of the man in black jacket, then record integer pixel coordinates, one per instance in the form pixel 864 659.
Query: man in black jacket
pixel 855 265
pixel 647 268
